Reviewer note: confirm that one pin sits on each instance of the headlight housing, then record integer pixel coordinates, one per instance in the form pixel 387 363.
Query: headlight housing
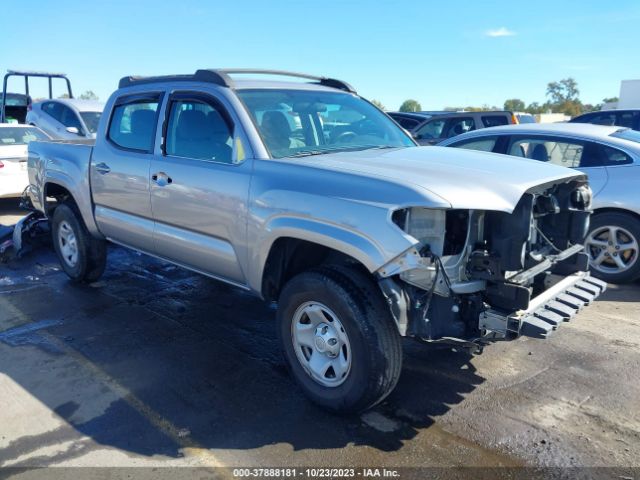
pixel 427 226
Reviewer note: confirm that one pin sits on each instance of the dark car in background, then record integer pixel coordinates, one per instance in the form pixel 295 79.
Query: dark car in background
pixel 14 108
pixel 617 118
pixel 429 128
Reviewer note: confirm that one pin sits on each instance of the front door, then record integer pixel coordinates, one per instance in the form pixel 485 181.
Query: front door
pixel 120 172
pixel 200 188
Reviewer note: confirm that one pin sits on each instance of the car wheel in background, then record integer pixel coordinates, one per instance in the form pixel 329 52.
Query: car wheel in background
pixel 613 246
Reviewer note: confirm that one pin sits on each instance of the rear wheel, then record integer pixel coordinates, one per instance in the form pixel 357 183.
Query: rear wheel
pixel 339 339
pixel 82 257
pixel 613 247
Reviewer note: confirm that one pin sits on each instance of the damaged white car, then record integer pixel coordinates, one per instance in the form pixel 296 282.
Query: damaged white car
pixel 305 194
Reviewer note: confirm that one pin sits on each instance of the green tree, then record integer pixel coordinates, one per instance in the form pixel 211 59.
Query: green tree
pixel 610 100
pixel 564 97
pixel 410 106
pixel 378 104
pixel 88 95
pixel 514 105
pixel 64 95
pixel 566 90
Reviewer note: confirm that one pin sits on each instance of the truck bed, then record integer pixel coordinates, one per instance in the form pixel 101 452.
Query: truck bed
pixel 65 163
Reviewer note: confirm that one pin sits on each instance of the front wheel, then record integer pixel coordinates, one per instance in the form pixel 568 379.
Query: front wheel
pixel 82 257
pixel 339 339
pixel 613 247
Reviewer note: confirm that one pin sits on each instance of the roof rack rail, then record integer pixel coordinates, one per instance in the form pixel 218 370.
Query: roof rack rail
pixel 222 77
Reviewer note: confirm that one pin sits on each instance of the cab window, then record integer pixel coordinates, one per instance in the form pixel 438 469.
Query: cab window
pixel 458 126
pixel 431 129
pixel 133 123
pixel 198 129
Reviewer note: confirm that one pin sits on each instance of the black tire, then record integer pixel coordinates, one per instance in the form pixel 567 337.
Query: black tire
pixel 631 226
pixel 375 345
pixel 91 252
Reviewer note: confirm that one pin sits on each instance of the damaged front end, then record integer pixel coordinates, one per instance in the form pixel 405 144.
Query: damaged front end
pixel 477 276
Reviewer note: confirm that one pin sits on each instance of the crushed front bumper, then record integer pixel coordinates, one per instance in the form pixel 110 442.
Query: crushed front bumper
pixel 546 312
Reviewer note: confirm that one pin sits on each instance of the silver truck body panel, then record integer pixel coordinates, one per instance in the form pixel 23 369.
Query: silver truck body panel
pixel 222 219
pixel 67 165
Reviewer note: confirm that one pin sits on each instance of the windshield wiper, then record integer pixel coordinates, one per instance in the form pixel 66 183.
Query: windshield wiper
pixel 308 153
pixel 382 147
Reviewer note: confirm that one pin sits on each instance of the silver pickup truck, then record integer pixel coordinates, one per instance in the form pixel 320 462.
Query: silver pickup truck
pixel 307 195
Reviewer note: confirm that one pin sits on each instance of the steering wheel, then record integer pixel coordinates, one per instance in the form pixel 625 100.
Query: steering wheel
pixel 345 137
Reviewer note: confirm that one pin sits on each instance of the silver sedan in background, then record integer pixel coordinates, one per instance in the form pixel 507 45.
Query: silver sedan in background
pixel 66 119
pixel 610 156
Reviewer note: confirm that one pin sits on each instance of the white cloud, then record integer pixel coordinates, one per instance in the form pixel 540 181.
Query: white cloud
pixel 500 32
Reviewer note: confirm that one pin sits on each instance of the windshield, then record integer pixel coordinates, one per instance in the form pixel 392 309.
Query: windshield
pixel 20 135
pixel 306 122
pixel 627 134
pixel 91 120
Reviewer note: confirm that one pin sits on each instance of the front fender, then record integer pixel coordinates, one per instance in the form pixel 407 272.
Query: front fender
pixel 356 245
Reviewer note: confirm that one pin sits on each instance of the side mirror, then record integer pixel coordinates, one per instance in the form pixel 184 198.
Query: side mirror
pixel 416 136
pixel 75 131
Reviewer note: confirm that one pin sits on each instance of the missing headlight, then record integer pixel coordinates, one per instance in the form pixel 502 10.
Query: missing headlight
pixel 444 231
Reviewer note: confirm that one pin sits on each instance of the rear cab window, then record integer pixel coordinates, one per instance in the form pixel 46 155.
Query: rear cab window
pixel 133 122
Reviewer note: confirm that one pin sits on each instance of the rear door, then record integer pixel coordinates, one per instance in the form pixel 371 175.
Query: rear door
pixel 200 187
pixel 120 171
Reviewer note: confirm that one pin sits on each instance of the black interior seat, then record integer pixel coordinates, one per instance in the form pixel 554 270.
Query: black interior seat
pixel 142 125
pixel 276 130
pixel 540 153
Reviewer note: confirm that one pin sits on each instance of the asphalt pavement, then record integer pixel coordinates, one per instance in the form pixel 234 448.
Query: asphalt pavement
pixel 156 366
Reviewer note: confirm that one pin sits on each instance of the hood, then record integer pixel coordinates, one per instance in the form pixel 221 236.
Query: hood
pixel 13 151
pixel 466 179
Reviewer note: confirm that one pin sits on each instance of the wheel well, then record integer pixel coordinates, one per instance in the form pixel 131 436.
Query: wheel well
pixel 54 195
pixel 616 210
pixel 291 256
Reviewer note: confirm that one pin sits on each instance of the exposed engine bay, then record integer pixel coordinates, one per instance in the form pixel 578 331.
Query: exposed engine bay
pixel 474 275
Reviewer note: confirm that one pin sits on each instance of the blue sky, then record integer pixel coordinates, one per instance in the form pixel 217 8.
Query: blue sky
pixel 441 53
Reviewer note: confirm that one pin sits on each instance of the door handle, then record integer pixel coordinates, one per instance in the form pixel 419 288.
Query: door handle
pixel 103 168
pixel 161 179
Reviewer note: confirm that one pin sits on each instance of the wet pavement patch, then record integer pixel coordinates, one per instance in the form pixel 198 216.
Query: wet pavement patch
pixel 156 363
pixel 29 334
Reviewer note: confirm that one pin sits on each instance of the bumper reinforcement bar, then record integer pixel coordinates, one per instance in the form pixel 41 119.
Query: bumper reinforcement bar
pixel 547 311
